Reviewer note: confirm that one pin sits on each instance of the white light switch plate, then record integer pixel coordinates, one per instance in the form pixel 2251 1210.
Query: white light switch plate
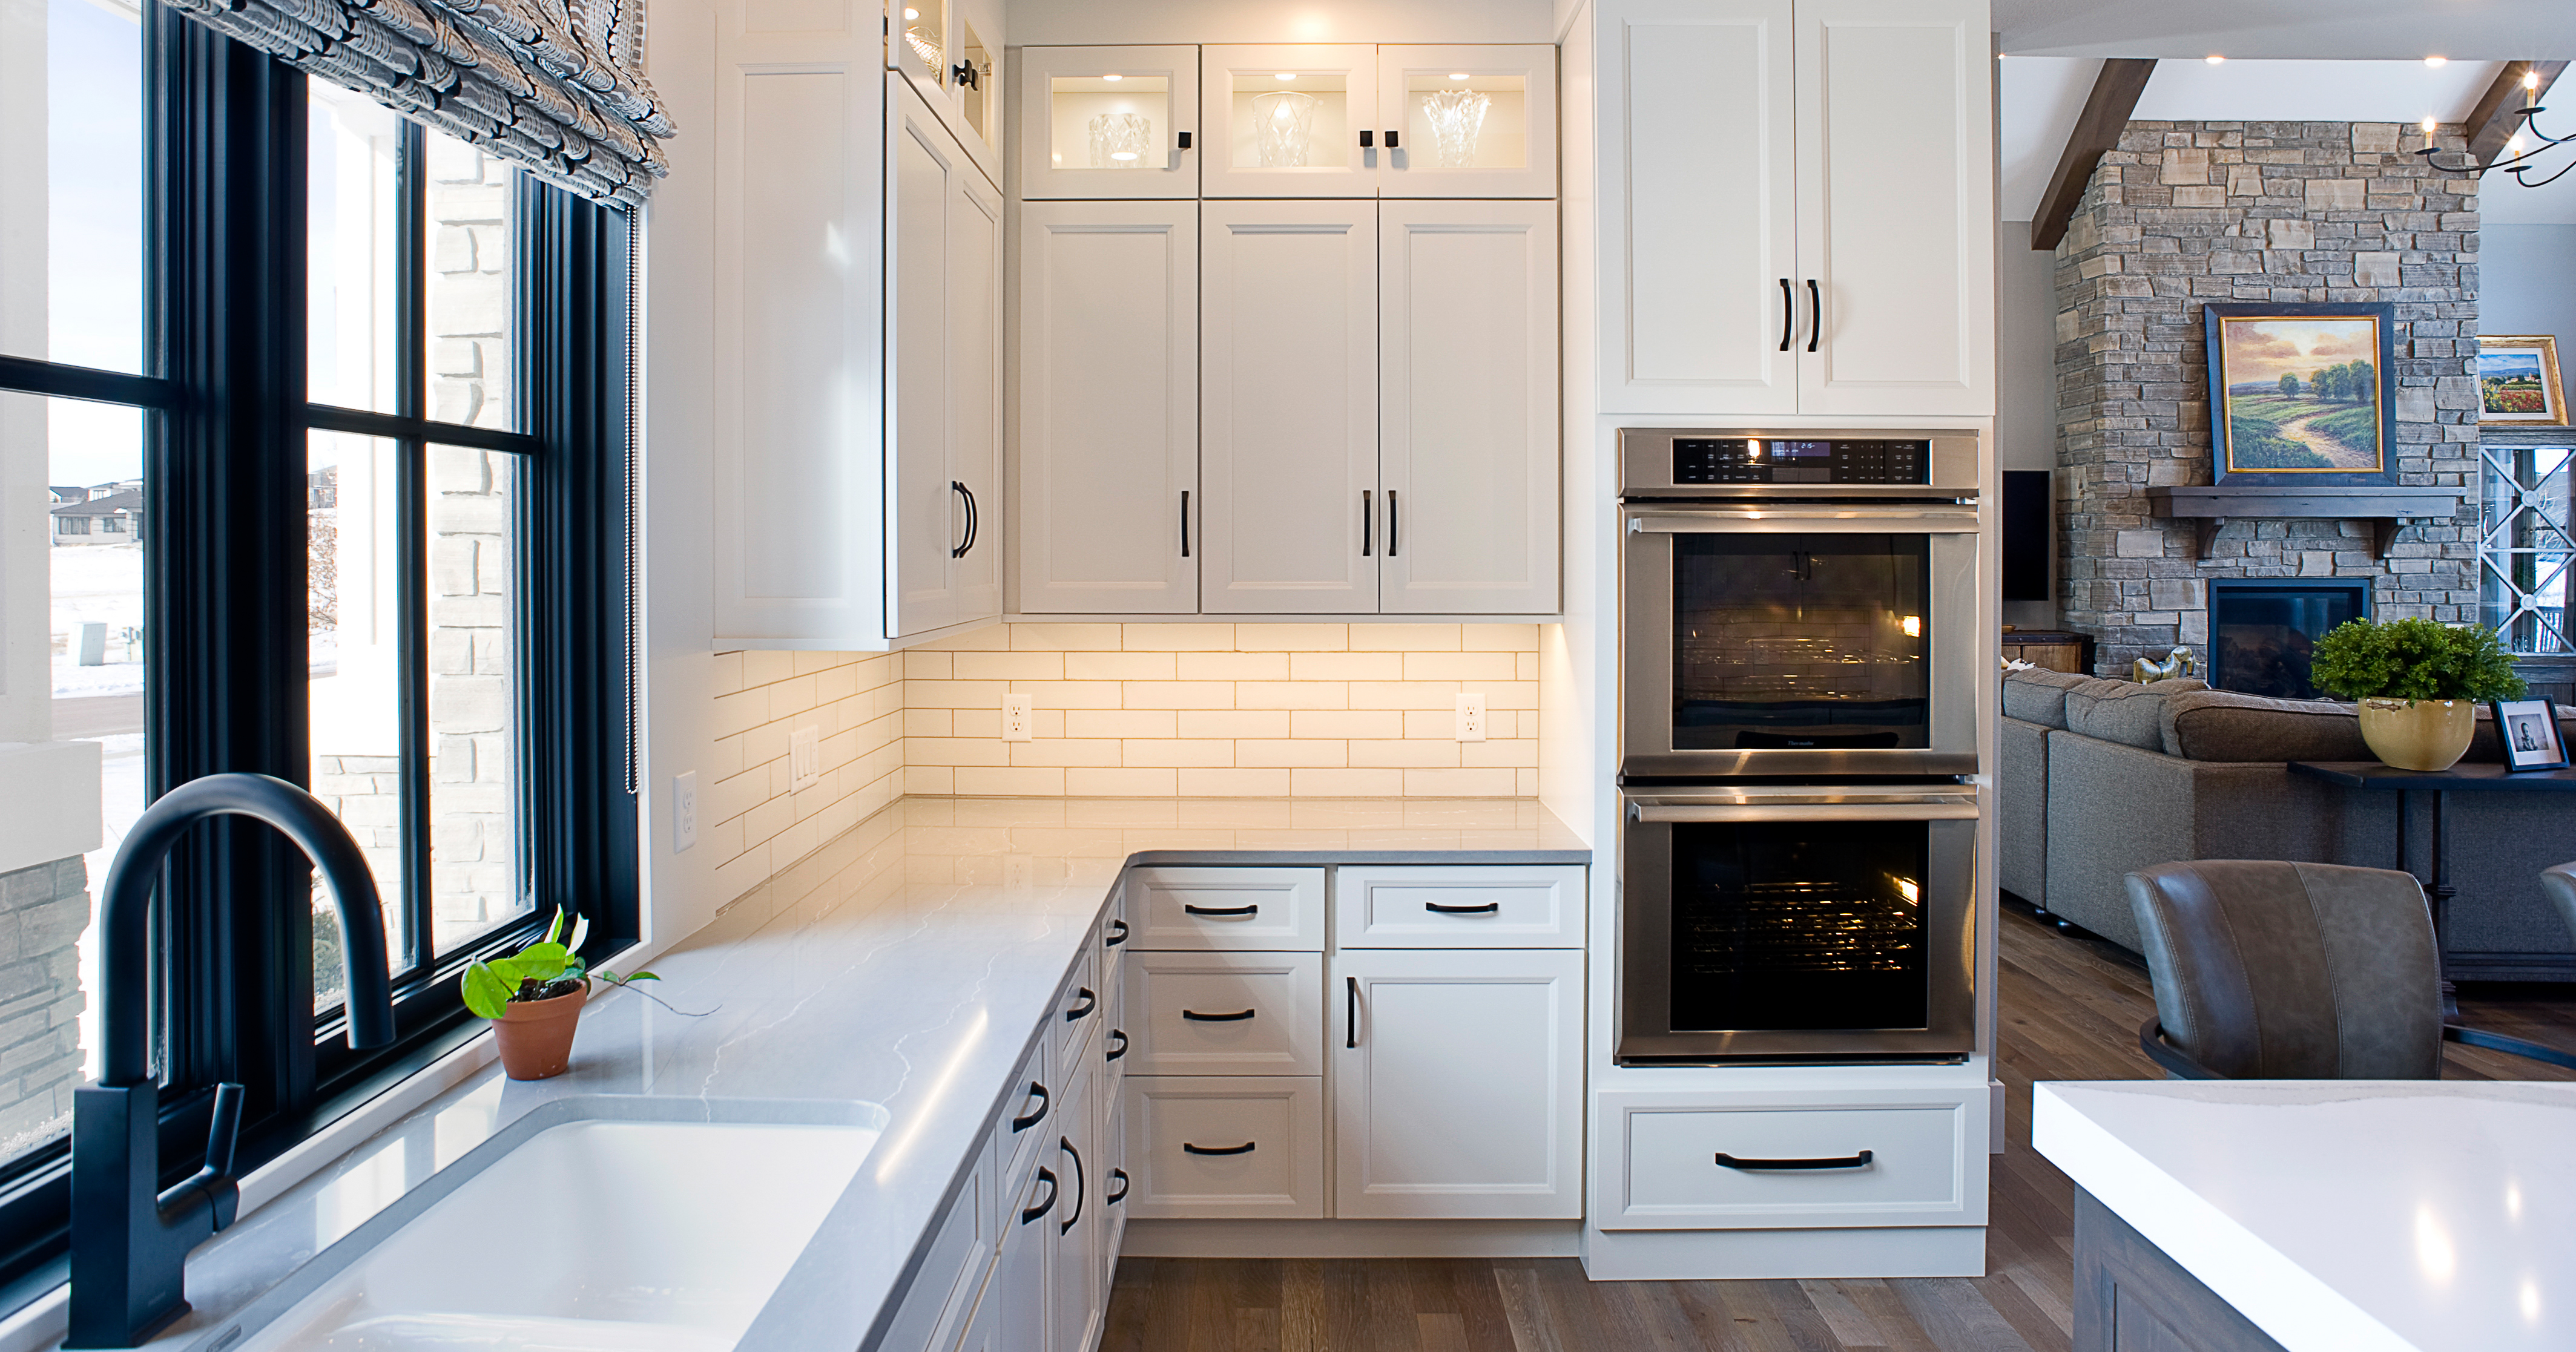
pixel 1019 718
pixel 684 811
pixel 1471 718
pixel 804 759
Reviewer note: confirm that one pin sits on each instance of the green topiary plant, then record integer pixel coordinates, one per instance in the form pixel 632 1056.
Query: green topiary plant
pixel 2414 659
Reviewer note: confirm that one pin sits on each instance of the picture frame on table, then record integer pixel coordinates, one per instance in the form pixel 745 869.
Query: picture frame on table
pixel 2528 731
pixel 2302 394
pixel 2518 382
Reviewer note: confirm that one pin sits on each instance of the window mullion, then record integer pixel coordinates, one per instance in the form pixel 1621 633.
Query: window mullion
pixel 411 513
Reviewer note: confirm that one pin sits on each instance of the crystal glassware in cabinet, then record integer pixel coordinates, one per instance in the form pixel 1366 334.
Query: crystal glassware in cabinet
pixel 1474 121
pixel 1291 121
pixel 1108 122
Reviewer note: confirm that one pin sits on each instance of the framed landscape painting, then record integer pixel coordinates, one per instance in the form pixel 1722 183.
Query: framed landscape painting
pixel 2299 394
pixel 2518 381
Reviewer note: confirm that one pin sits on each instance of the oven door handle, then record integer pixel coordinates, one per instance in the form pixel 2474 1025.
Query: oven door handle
pixel 1807 521
pixel 1960 808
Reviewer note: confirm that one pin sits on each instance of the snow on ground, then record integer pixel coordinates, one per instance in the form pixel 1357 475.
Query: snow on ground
pixel 100 584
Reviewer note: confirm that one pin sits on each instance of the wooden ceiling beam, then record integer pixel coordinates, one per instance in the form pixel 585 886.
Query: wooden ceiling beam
pixel 2097 133
pixel 2493 121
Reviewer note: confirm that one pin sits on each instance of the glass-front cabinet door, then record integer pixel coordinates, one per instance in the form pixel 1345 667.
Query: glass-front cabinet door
pixel 950 51
pixel 1108 122
pixel 1292 121
pixel 1468 121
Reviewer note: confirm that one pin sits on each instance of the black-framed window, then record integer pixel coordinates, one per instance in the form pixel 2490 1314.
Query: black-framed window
pixel 373 413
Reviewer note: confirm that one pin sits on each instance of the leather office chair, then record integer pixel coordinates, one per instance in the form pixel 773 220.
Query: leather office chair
pixel 2558 883
pixel 2280 971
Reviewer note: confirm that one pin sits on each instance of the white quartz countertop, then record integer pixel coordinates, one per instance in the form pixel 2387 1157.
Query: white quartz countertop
pixel 2344 1215
pixel 908 963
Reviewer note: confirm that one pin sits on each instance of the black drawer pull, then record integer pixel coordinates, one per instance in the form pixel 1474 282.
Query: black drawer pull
pixel 1121 1049
pixel 1115 1198
pixel 1184 140
pixel 1116 936
pixel 1029 1215
pixel 1859 1161
pixel 1351 1014
pixel 1236 1017
pixel 1489 908
pixel 1039 1092
pixel 1081 1186
pixel 1090 1002
pixel 1243 1149
pixel 1220 910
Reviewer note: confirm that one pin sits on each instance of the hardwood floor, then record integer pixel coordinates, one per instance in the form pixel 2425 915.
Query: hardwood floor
pixel 2068 1013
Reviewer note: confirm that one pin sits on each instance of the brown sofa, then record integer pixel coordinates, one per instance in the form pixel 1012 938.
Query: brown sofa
pixel 2098 778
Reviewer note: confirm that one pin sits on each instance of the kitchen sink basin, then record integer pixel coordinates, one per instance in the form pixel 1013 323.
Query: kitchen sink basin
pixel 593 1223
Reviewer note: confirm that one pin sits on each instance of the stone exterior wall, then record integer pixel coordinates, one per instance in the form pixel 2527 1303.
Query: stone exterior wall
pixel 42 913
pixel 2187 213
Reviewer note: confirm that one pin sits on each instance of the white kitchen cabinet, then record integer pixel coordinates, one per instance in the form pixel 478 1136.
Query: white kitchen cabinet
pixel 1022 1287
pixel 1075 1235
pixel 1182 907
pixel 950 52
pixel 1458 905
pixel 1108 122
pixel 1796 1159
pixel 1796 207
pixel 1289 121
pixel 1476 121
pixel 1458 1084
pixel 1225 1012
pixel 1467 407
pixel 1225 1146
pixel 1108 435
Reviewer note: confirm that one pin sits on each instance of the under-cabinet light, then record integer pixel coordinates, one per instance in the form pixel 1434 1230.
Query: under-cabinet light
pixel 2215 59
pixel 1113 79
pixel 2437 60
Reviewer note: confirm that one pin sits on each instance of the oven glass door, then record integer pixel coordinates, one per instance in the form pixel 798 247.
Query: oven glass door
pixel 1815 927
pixel 1801 641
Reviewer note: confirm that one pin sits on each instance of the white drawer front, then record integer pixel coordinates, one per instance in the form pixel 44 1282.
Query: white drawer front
pixel 1080 1007
pixel 1927 1163
pixel 1479 906
pixel 1196 908
pixel 1032 1100
pixel 1225 1013
pixel 1186 1139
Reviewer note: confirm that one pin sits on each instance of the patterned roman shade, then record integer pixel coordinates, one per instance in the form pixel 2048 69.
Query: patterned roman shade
pixel 556 85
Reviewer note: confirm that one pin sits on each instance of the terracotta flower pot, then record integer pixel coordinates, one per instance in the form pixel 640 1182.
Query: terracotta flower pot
pixel 2419 734
pixel 536 1037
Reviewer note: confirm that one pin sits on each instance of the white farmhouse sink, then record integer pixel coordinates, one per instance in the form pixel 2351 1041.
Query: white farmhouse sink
pixel 597 1233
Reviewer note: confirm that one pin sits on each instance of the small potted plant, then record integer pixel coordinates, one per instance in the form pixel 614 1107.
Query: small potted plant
pixel 534 999
pixel 2419 685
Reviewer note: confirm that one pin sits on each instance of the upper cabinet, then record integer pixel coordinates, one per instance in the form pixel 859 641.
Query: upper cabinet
pixel 950 51
pixel 1797 207
pixel 1302 120
pixel 1109 122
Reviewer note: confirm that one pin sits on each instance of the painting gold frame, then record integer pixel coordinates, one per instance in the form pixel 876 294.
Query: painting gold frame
pixel 2553 392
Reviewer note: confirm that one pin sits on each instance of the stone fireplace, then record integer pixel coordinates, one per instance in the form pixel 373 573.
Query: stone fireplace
pixel 2187 213
pixel 2263 630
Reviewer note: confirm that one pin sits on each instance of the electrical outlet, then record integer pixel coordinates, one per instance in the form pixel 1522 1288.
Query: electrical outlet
pixel 1471 718
pixel 804 758
pixel 684 811
pixel 1019 718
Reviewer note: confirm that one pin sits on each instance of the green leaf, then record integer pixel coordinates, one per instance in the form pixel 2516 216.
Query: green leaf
pixel 488 992
pixel 542 962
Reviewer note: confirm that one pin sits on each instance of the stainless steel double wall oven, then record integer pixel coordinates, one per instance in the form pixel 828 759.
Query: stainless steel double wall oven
pixel 1800 671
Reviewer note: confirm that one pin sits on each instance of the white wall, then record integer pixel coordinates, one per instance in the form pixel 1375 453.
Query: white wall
pixel 2025 376
pixel 1044 23
pixel 2527 281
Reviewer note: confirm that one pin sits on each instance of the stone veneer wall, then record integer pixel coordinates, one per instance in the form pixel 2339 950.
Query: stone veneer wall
pixel 2186 213
pixel 43 910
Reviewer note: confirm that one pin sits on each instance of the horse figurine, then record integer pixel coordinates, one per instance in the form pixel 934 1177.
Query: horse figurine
pixel 2179 662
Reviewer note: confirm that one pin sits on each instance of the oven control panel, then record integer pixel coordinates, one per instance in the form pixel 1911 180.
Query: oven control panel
pixel 1776 460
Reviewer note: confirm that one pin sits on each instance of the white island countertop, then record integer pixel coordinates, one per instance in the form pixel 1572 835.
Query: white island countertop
pixel 909 963
pixel 2344 1215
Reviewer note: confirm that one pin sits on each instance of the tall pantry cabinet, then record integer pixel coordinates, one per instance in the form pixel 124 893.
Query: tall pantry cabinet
pixel 1322 382
pixel 1797 206
pixel 859 234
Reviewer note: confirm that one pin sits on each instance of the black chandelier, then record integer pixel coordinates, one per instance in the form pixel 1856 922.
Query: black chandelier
pixel 2514 160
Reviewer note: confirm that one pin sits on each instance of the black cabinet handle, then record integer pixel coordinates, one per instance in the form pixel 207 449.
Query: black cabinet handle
pixel 967 536
pixel 974 520
pixel 1788 314
pixel 1243 1149
pixel 965 74
pixel 1859 1161
pixel 1489 908
pixel 1390 138
pixel 1124 1184
pixel 1815 314
pixel 1081 1185
pixel 1365 142
pixel 1182 140
pixel 1029 1215
pixel 1117 935
pixel 1039 1092
pixel 1236 1017
pixel 1368 516
pixel 1090 1002
pixel 1121 1049
pixel 1390 523
pixel 1351 1014
pixel 1185 523
pixel 1220 910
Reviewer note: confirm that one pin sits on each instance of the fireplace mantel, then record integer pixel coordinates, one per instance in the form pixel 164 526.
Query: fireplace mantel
pixel 2387 509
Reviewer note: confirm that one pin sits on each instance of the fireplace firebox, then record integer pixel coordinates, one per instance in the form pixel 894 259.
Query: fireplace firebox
pixel 2263 631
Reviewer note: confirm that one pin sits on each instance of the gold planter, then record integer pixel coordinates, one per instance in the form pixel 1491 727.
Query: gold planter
pixel 2419 734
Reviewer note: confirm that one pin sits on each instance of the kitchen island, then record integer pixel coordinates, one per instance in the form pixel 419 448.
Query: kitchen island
pixel 2351 1216
pixel 913 963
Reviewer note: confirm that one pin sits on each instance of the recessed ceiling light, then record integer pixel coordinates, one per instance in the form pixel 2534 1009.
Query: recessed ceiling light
pixel 1457 75
pixel 2215 60
pixel 911 14
pixel 1113 79
pixel 1287 75
pixel 2437 60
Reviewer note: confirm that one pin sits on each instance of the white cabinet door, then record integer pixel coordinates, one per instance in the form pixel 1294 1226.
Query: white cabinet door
pixel 1699 280
pixel 1075 1262
pixel 949 51
pixel 1290 121
pixel 1288 383
pixel 1458 1084
pixel 1109 407
pixel 925 516
pixel 1022 1287
pixel 975 390
pixel 1474 121
pixel 1467 418
pixel 799 136
pixel 1108 122
pixel 1896 206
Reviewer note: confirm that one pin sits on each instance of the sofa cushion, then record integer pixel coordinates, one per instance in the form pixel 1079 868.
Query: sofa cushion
pixel 2124 711
pixel 2222 725
pixel 2037 695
